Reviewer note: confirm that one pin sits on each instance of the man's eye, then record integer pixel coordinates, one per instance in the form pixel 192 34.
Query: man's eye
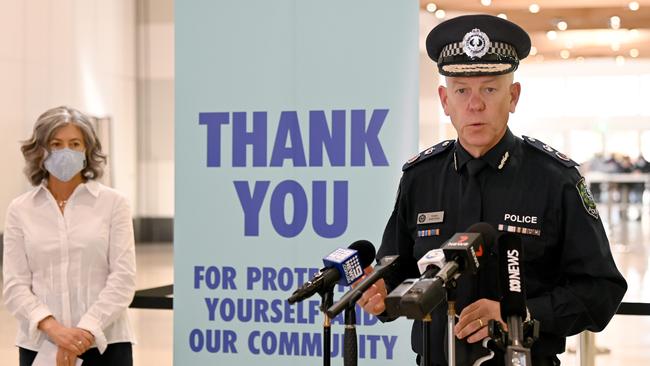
pixel 460 91
pixel 490 90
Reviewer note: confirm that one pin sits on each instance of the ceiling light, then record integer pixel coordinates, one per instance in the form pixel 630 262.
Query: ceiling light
pixel 440 14
pixel 565 54
pixel 620 60
pixel 634 53
pixel 533 8
pixel 552 35
pixel 568 44
pixel 533 50
pixel 634 32
pixel 431 7
pixel 615 22
pixel 580 59
pixel 486 2
pixel 633 5
pixel 502 16
pixel 616 47
pixel 562 25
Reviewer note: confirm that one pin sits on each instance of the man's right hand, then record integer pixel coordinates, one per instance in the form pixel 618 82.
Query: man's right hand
pixel 373 298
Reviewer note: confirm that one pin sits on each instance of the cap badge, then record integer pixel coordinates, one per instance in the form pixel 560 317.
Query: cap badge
pixel 476 43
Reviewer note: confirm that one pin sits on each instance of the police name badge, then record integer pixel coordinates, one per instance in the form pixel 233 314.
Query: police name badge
pixel 587 198
pixel 431 217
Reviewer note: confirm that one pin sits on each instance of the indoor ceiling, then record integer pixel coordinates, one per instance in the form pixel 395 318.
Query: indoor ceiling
pixel 566 29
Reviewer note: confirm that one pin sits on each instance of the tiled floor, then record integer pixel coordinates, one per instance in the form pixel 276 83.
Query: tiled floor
pixel 627 337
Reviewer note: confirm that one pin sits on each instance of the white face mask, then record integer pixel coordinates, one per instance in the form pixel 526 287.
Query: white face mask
pixel 65 163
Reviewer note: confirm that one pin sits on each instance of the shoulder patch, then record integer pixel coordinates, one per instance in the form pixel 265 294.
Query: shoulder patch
pixel 556 155
pixel 432 151
pixel 587 198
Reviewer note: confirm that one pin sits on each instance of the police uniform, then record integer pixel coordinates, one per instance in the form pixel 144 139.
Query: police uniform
pixel 527 188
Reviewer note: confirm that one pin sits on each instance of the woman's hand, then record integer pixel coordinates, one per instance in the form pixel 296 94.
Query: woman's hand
pixel 65 358
pixel 74 340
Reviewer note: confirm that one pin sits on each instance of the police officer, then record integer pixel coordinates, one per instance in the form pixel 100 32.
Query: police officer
pixel 518 185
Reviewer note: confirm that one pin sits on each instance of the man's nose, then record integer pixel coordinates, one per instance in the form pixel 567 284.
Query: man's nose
pixel 475 102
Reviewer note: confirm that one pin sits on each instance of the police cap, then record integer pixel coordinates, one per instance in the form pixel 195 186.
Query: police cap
pixel 473 45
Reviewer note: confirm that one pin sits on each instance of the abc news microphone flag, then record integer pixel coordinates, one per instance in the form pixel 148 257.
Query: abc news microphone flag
pixel 293 119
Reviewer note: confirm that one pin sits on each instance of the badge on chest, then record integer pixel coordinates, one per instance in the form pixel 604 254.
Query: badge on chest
pixel 425 219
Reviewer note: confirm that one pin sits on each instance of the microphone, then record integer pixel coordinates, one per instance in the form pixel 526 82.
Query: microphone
pixel 386 264
pixel 429 265
pixel 342 266
pixel 513 301
pixel 463 252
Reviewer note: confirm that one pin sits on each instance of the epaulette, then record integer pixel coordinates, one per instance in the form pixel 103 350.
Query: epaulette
pixel 426 154
pixel 556 155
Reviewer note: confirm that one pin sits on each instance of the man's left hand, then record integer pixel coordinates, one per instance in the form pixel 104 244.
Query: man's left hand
pixel 474 320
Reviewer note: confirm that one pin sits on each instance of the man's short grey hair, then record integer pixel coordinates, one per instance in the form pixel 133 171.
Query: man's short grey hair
pixel 36 149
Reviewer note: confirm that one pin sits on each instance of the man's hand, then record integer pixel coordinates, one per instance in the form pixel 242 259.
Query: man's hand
pixel 474 320
pixel 74 340
pixel 372 300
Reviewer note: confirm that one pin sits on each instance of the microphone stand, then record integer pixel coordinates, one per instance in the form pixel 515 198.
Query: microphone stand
pixel 350 337
pixel 327 299
pixel 451 323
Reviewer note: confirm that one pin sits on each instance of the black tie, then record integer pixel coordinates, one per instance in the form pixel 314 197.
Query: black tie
pixel 470 207
pixel 467 291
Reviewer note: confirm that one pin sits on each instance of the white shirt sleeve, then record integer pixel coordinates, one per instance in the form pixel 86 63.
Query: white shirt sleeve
pixel 17 277
pixel 119 290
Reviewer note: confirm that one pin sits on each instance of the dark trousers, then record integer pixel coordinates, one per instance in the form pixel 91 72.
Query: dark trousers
pixel 116 354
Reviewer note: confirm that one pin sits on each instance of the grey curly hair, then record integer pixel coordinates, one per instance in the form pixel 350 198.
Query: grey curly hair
pixel 35 149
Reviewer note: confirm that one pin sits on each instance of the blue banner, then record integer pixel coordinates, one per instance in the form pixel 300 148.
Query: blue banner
pixel 293 118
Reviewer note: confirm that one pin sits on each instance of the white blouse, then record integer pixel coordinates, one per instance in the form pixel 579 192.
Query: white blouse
pixel 78 266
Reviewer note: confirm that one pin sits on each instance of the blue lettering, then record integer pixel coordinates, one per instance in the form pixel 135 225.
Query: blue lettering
pixel 269 343
pixel 320 137
pixel 241 138
pixel 253 275
pixel 362 137
pixel 311 344
pixel 213 341
pixel 289 343
pixel 251 204
pixel 196 340
pixel 389 343
pixel 278 219
pixel 227 309
pixel 212 307
pixel 319 219
pixel 251 342
pixel 214 122
pixel 288 127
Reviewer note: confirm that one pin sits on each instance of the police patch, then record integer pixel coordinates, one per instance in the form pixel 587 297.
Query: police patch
pixel 587 198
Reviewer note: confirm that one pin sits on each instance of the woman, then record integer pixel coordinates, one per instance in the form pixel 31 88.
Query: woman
pixel 69 258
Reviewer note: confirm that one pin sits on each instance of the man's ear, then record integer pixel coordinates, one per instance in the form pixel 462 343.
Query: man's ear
pixel 515 91
pixel 442 93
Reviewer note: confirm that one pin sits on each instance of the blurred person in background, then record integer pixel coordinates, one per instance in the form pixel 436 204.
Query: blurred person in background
pixel 69 255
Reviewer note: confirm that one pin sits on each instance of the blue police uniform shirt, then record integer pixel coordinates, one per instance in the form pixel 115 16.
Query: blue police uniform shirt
pixel 528 188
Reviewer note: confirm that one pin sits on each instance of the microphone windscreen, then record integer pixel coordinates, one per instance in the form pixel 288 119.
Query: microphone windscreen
pixel 365 251
pixel 486 230
pixel 511 276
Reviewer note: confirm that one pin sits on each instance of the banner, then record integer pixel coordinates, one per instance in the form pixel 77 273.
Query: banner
pixel 293 119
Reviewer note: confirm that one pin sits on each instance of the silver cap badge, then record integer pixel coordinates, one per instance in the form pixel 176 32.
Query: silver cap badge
pixel 476 43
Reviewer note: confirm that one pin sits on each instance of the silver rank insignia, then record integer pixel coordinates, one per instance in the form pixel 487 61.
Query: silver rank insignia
pixel 587 198
pixel 476 43
pixel 504 158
